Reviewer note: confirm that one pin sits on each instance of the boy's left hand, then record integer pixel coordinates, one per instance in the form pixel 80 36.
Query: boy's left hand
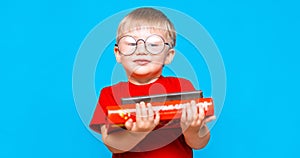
pixel 193 118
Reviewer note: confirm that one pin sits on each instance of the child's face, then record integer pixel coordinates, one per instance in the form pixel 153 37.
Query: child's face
pixel 142 64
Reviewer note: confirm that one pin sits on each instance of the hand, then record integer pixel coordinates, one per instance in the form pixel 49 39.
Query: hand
pixel 145 121
pixel 193 117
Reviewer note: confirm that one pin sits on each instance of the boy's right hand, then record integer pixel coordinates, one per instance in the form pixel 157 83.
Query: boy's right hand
pixel 145 120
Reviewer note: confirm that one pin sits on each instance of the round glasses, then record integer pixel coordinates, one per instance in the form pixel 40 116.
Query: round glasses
pixel 154 44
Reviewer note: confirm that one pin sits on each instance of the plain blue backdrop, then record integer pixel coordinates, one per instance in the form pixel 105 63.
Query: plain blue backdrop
pixel 258 40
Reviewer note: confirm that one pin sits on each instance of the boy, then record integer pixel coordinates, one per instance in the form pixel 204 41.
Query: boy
pixel 145 42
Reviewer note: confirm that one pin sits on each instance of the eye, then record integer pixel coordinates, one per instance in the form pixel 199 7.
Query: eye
pixel 127 41
pixel 153 45
pixel 131 44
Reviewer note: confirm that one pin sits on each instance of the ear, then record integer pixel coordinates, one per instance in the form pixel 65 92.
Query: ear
pixel 117 54
pixel 169 57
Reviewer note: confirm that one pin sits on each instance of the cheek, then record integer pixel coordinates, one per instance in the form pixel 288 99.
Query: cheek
pixel 160 60
pixel 124 59
pixel 125 62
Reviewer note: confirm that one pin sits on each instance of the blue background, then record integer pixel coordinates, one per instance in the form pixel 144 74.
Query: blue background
pixel 258 41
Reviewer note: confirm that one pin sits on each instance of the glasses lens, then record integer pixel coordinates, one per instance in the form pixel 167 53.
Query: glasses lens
pixel 127 45
pixel 155 44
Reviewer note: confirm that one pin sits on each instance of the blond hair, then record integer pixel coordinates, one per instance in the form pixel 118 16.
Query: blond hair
pixel 147 18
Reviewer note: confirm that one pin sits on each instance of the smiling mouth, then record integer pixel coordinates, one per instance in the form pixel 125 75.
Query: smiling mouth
pixel 141 61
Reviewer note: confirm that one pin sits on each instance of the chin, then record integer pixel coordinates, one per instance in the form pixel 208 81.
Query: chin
pixel 140 74
pixel 145 71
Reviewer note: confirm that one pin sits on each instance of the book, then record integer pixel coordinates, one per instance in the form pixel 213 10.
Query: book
pixel 169 107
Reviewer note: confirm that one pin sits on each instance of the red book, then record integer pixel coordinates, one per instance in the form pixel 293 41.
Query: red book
pixel 168 105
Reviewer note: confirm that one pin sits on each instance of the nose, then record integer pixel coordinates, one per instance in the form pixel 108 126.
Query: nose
pixel 140 47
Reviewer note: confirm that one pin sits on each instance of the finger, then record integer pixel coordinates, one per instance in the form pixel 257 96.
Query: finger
pixel 194 110
pixel 103 130
pixel 129 124
pixel 144 113
pixel 150 112
pixel 201 113
pixel 183 114
pixel 200 120
pixel 157 118
pixel 189 112
pixel 134 127
pixel 138 112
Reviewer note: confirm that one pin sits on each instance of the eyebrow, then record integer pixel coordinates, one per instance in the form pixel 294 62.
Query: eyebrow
pixel 135 37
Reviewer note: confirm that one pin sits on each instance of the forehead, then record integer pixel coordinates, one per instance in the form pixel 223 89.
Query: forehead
pixel 144 32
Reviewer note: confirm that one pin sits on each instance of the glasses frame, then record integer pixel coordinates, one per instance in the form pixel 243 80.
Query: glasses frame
pixel 145 46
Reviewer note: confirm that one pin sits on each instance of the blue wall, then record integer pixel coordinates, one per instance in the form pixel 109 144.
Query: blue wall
pixel 258 40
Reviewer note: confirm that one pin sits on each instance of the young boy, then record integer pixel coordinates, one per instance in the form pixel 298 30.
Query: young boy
pixel 145 42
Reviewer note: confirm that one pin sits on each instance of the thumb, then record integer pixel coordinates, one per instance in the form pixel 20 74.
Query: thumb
pixel 210 118
pixel 157 118
pixel 129 124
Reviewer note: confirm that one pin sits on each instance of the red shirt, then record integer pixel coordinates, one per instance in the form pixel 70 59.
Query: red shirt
pixel 162 142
